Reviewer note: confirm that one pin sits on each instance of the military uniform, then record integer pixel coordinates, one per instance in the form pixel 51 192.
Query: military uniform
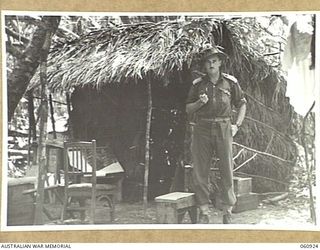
pixel 212 132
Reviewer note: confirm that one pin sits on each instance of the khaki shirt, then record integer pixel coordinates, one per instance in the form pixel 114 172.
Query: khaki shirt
pixel 222 96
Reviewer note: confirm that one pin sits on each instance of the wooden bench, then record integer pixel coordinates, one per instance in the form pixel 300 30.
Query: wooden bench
pixel 20 210
pixel 172 207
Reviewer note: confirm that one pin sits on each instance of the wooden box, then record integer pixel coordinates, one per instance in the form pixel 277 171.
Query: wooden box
pixel 246 202
pixel 20 208
pixel 242 185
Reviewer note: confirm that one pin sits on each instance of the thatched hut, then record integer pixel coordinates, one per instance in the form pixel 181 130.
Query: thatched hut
pixel 107 73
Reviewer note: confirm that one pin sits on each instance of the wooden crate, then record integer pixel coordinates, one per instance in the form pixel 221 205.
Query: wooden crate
pixel 242 185
pixel 246 202
pixel 20 208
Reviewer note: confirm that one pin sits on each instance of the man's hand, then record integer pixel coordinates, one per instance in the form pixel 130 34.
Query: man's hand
pixel 234 130
pixel 194 106
pixel 204 98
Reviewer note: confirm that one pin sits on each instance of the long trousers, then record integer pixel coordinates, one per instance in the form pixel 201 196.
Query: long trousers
pixel 209 138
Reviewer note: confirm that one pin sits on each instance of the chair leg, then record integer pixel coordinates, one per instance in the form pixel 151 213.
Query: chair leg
pixel 109 203
pixel 82 203
pixel 112 209
pixel 193 214
pixel 93 212
pixel 64 209
pixel 181 216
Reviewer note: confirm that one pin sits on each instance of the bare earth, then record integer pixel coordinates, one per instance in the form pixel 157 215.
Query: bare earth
pixel 285 213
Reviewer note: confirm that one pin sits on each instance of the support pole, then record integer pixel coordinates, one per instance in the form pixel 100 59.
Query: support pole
pixel 69 115
pixel 147 148
pixel 42 161
pixel 53 122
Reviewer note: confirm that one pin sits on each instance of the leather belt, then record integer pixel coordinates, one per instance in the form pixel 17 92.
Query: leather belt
pixel 217 119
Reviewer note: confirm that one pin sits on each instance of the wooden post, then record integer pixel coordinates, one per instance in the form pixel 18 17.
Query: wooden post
pixel 147 148
pixel 42 173
pixel 52 117
pixel 69 114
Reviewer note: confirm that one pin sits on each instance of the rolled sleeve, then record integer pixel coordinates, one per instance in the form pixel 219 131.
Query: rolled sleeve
pixel 237 96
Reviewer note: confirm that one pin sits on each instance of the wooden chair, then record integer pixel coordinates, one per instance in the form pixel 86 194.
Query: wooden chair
pixel 80 183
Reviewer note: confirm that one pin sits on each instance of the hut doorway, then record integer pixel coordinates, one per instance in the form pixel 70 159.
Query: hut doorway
pixel 115 116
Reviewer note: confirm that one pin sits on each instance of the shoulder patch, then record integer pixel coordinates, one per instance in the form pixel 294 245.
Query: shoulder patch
pixel 230 77
pixel 197 80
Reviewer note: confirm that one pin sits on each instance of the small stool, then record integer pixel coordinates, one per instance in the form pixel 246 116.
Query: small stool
pixel 172 207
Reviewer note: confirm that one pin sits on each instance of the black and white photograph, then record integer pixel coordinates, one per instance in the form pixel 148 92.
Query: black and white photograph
pixel 159 121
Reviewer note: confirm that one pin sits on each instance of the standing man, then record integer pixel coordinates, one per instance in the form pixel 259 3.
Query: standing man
pixel 210 102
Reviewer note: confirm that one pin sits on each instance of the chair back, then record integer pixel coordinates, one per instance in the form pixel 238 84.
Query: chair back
pixel 80 174
pixel 80 162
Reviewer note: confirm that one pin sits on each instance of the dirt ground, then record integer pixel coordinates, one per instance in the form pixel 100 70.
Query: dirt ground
pixel 289 212
pixel 282 214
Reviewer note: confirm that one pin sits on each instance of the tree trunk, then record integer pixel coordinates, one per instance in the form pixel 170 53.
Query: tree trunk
pixel 26 66
pixel 53 122
pixel 147 148
pixel 42 161
pixel 32 125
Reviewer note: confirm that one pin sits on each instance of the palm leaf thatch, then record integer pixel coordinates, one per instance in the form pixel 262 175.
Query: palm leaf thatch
pixel 116 53
pixel 121 53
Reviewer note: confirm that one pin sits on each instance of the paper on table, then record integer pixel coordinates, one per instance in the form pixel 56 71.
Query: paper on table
pixel 110 169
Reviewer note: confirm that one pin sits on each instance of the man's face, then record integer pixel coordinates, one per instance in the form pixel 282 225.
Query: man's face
pixel 212 64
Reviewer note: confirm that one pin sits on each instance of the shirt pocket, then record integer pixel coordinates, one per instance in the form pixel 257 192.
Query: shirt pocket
pixel 225 95
pixel 203 90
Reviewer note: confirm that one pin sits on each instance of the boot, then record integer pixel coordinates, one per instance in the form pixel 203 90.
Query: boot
pixel 204 214
pixel 227 219
pixel 203 218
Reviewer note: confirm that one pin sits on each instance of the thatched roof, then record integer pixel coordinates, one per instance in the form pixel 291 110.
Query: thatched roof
pixel 129 51
pixel 120 52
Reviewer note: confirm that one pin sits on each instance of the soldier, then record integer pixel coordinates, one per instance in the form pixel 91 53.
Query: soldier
pixel 210 103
